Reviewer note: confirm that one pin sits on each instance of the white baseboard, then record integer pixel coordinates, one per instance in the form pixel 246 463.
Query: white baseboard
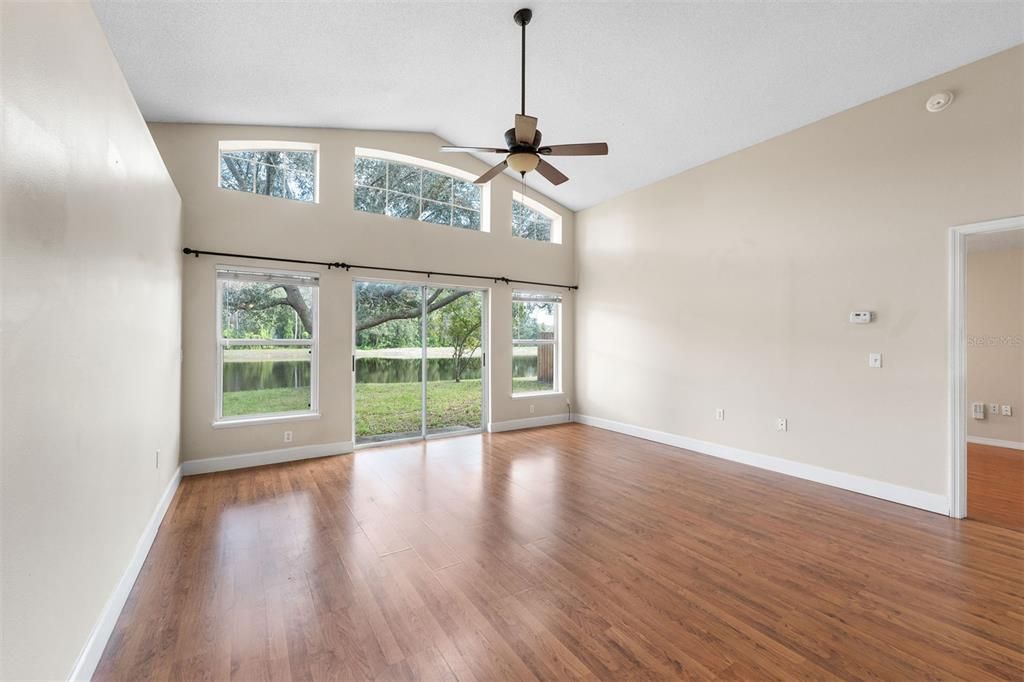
pixel 1012 444
pixel 89 658
pixel 528 423
pixel 255 459
pixel 911 497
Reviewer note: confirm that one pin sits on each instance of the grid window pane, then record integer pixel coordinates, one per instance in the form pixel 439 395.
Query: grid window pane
pixel 417 193
pixel 371 172
pixel 436 212
pixel 466 218
pixel 467 195
pixel 404 178
pixel 530 224
pixel 236 173
pixel 369 200
pixel 402 206
pixel 437 187
pixel 283 174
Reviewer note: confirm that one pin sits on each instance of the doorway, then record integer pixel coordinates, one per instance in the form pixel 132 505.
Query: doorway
pixel 419 362
pixel 987 371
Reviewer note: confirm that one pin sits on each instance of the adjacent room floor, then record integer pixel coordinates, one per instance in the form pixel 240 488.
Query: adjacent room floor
pixel 995 486
pixel 563 552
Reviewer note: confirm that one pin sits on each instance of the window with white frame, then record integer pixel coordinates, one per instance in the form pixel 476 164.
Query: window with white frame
pixel 533 220
pixel 283 170
pixel 266 344
pixel 406 190
pixel 536 322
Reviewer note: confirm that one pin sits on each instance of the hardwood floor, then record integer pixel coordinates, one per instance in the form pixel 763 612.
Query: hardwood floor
pixel 562 552
pixel 995 485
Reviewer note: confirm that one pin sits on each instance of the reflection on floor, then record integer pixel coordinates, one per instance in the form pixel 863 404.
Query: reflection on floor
pixel 995 485
pixel 561 552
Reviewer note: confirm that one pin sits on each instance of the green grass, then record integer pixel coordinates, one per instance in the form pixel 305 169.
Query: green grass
pixel 265 401
pixel 384 408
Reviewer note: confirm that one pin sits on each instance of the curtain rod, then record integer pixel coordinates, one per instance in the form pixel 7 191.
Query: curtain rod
pixel 349 266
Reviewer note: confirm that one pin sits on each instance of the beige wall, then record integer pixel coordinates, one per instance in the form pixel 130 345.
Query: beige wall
pixel 995 341
pixel 229 221
pixel 729 285
pixel 91 319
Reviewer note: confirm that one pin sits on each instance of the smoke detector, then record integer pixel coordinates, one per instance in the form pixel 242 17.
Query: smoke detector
pixel 939 101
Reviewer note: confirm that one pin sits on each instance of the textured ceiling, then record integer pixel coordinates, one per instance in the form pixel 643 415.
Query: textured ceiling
pixel 668 85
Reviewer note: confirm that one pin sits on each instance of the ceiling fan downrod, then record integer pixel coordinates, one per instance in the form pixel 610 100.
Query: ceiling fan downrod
pixel 522 18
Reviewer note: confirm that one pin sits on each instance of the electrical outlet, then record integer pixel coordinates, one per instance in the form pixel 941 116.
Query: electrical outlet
pixel 157 459
pixel 287 436
pixel 720 414
pixel 1007 411
pixel 531 408
pixel 782 424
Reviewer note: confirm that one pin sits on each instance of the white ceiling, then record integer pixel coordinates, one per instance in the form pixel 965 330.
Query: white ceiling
pixel 668 85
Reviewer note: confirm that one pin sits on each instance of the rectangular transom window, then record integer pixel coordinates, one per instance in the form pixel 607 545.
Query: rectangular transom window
pixel 284 170
pixel 536 322
pixel 533 220
pixel 266 344
pixel 406 190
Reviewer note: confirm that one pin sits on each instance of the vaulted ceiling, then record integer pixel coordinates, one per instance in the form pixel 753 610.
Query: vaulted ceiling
pixel 668 85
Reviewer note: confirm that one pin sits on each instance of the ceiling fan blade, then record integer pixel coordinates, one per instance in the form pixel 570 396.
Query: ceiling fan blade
pixel 489 150
pixel 584 149
pixel 491 174
pixel 526 128
pixel 553 175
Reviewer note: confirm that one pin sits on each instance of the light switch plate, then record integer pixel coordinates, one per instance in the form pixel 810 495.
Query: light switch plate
pixel 874 360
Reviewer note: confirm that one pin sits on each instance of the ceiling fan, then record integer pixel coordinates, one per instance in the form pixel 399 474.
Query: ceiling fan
pixel 523 141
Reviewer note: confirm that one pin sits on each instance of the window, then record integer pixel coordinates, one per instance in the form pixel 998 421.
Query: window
pixel 267 344
pixel 283 173
pixel 405 190
pixel 535 332
pixel 532 220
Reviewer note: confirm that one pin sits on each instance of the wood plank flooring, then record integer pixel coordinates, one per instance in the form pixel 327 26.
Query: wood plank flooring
pixel 995 485
pixel 561 553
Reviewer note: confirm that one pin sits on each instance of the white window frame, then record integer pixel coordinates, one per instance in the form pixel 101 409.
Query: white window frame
pixel 556 342
pixel 465 176
pixel 262 274
pixel 534 205
pixel 272 146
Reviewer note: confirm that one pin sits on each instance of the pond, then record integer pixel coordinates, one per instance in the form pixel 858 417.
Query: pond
pixel 256 375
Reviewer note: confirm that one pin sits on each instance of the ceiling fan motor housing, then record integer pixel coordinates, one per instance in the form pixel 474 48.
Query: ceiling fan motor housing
pixel 514 145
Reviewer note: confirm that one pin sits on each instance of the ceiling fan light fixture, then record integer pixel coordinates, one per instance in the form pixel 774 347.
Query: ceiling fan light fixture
pixel 523 162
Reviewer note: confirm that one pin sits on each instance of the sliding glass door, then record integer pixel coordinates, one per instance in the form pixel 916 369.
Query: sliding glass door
pixel 419 363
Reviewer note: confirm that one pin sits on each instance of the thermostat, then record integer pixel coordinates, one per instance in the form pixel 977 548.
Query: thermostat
pixel 861 317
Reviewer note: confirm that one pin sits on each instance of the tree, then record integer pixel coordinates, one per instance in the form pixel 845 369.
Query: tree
pixel 458 325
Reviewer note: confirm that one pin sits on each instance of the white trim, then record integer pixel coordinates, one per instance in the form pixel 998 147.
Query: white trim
pixel 274 418
pixel 528 423
pixel 1011 444
pixel 90 655
pixel 957 355
pixel 911 497
pixel 254 459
